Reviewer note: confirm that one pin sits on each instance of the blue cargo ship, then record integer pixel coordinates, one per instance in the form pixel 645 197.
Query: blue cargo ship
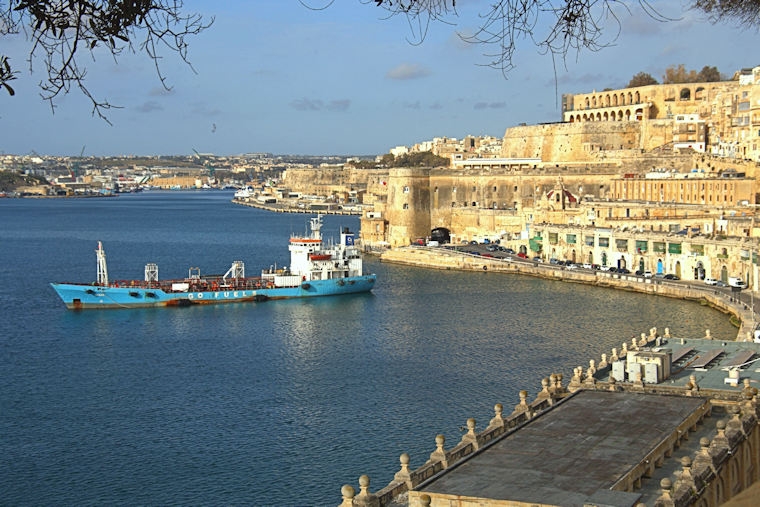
pixel 315 270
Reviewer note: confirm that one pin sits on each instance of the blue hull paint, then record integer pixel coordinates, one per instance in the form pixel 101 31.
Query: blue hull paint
pixel 77 297
pixel 315 270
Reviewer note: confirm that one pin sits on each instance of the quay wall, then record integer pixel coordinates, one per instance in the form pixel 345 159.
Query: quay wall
pixel 441 258
pixel 286 208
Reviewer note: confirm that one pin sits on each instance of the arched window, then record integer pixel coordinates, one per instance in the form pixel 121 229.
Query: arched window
pixel 684 94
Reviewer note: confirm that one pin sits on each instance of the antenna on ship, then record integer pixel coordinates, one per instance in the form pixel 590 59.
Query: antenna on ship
pixel 316 226
pixel 102 267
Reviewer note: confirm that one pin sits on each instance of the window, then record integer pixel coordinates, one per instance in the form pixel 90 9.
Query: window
pixel 406 205
pixel 406 189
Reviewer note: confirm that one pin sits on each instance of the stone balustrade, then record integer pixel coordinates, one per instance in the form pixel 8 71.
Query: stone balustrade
pixel 696 472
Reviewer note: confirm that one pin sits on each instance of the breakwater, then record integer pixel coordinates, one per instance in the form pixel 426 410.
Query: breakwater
pixel 741 306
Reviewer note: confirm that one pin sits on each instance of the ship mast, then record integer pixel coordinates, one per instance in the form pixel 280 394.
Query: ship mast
pixel 102 268
pixel 316 227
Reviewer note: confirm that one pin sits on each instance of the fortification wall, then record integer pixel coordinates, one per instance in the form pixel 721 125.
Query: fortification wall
pixel 570 142
pixel 328 180
pixel 408 208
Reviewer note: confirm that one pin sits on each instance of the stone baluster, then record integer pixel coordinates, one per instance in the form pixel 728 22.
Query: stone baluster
pixel 666 498
pixel 667 333
pixel 634 344
pixel 523 406
pixel 638 381
pixel 590 380
pixel 558 389
pixel 553 384
pixel 365 498
pixel 719 447
pixel 703 465
pixel 603 363
pixel 347 492
pixel 707 335
pixel 684 488
pixel 544 389
pixel 614 357
pixel 624 351
pixel 498 420
pixel 575 380
pixel 403 475
pixel 439 455
pixel 471 437
pixel 643 341
pixel 692 385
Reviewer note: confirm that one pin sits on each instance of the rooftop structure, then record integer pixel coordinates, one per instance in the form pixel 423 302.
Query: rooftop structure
pixel 679 427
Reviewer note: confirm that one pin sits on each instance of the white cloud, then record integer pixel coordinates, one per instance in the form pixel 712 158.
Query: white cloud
pixel 408 71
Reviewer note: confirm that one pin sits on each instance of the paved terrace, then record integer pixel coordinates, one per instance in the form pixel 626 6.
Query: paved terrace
pixel 595 441
pixel 572 454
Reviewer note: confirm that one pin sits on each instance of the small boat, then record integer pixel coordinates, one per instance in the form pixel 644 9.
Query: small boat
pixel 315 269
pixel 244 193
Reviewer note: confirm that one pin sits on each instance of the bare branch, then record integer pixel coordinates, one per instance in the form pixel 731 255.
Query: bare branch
pixel 63 32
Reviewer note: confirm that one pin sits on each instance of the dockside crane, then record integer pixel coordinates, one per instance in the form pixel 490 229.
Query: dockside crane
pixel 211 172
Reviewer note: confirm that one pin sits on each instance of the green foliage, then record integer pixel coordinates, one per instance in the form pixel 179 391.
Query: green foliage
pixel 11 180
pixel 708 75
pixel 641 79
pixel 418 159
pixel 678 74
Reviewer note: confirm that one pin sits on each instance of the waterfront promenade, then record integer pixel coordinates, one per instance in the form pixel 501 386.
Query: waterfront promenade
pixel 740 304
pixel 287 207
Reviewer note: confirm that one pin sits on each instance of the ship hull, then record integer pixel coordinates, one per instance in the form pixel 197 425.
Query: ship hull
pixel 82 297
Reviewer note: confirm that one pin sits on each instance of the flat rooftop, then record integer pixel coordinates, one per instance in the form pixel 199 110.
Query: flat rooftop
pixel 719 357
pixel 572 454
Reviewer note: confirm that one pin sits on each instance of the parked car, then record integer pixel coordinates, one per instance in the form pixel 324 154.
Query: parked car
pixel 522 255
pixel 671 276
pixel 537 259
pixel 711 281
pixel 647 274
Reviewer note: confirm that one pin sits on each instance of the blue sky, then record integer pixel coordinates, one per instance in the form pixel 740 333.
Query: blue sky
pixel 275 76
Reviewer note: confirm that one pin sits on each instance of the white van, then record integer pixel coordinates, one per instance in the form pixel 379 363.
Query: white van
pixel 737 282
pixel 711 281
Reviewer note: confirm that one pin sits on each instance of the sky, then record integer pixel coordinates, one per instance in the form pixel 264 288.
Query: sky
pixel 340 78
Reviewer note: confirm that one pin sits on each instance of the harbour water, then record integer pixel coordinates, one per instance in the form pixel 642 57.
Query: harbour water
pixel 274 403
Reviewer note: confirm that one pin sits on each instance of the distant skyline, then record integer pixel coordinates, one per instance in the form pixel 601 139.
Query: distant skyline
pixel 278 77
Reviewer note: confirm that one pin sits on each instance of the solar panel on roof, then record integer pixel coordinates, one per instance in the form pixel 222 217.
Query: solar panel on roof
pixel 706 358
pixel 739 358
pixel 681 354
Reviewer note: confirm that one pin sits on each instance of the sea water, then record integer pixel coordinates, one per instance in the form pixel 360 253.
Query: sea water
pixel 273 403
